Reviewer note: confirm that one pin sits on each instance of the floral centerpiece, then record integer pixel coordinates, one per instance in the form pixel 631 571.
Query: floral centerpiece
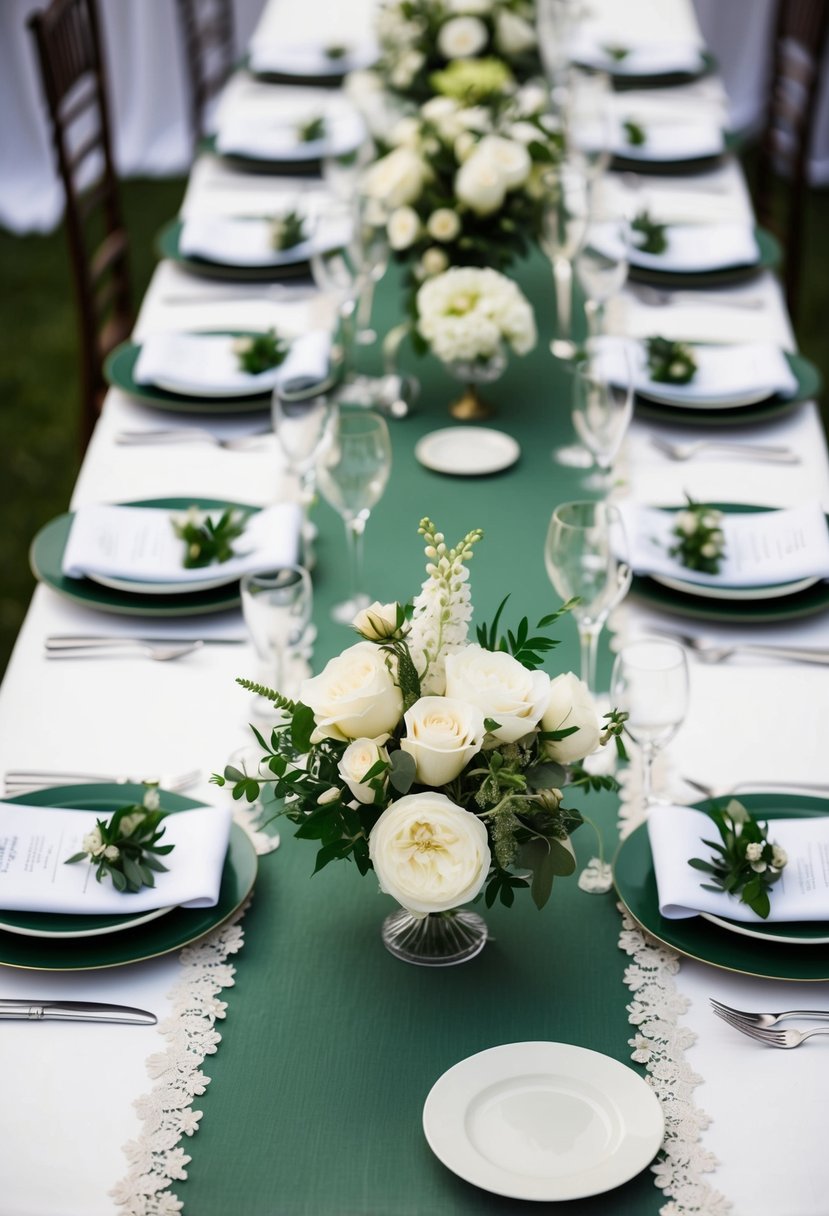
pixel 437 762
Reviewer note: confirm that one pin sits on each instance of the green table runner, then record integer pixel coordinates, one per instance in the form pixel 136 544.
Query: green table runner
pixel 331 1045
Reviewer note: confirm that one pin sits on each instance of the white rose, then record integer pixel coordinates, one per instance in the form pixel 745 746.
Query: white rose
pixel 464 146
pixel 354 696
pixel 403 227
pixel 524 133
pixel 406 133
pixel 513 35
pixel 570 704
pixel 357 760
pixel 511 159
pixel 462 37
pixel 396 179
pixel 532 99
pixel 378 621
pixel 93 843
pixel 434 261
pixel 406 68
pixel 442 734
pixel 501 687
pixel 475 118
pixel 112 852
pixel 443 224
pixel 478 7
pixel 429 854
pixel 480 184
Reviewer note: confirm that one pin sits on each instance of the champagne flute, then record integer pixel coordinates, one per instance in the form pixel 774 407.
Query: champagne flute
pixel 586 557
pixel 563 226
pixel 371 255
pixel 588 122
pixel 555 21
pixel 301 418
pixel 601 266
pixel 353 468
pixel 650 683
pixel 602 410
pixel 335 269
pixel 276 605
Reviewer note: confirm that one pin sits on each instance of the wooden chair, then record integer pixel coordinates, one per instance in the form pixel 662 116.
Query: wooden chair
pixel 800 41
pixel 210 54
pixel 69 50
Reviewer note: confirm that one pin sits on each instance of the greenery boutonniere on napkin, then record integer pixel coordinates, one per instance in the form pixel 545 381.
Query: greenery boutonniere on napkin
pixel 746 862
pixel 126 848
pixel 260 352
pixel 649 236
pixel 634 133
pixel 311 129
pixel 287 231
pixel 700 543
pixel 670 362
pixel 615 52
pixel 336 50
pixel 207 541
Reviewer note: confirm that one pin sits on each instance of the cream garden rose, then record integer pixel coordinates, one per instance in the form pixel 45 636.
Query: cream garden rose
pixel 429 854
pixel 510 158
pixel 570 704
pixel 480 184
pixel 462 37
pixel 442 736
pixel 358 759
pixel 397 179
pixel 403 227
pixel 501 687
pixel 354 696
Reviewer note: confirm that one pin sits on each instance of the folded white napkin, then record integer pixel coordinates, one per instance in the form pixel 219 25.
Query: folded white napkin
pixel 140 544
pixel 593 50
pixel 725 374
pixel 273 133
pixel 35 841
pixel 310 58
pixel 206 364
pixel 762 548
pixel 237 241
pixel 701 247
pixel 801 893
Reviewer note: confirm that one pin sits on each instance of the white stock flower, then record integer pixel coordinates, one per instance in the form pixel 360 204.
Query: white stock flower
pixel 396 179
pixel 442 734
pixel 513 35
pixel 358 759
pixel 430 855
pixel 354 696
pixel 378 621
pixel 570 704
pixel 434 261
pixel 511 159
pixel 443 224
pixel 462 37
pixel 403 227
pixel 501 687
pixel 480 184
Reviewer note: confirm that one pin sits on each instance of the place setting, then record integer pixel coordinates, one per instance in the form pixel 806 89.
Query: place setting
pixel 640 62
pixel 308 61
pixel 693 255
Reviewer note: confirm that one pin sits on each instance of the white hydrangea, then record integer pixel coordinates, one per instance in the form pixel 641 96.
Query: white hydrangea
pixel 467 312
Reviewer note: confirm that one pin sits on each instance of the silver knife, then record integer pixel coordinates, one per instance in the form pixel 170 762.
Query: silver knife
pixel 75 1011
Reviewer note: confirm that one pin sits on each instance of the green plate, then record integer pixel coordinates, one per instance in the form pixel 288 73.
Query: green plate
pixel 46 557
pixel 330 80
pixel 171 932
pixel 664 80
pixel 770 255
pixel 167 244
pixel 696 938
pixel 760 612
pixel 119 370
pixel 809 386
pixel 255 164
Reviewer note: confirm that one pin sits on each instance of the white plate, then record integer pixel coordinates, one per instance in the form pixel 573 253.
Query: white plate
pixel 139 587
pixel 765 934
pixel 650 391
pixel 257 387
pixel 710 591
pixel 543 1121
pixel 467 451
pixel 130 922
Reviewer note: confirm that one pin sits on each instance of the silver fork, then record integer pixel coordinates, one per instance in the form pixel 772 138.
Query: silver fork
pixel 713 652
pixel 24 782
pixel 749 451
pixel 161 652
pixel 193 434
pixel 710 791
pixel 776 1038
pixel 659 296
pixel 763 1021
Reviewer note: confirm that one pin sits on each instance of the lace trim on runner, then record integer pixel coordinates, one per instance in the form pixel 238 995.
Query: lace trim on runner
pixel 155 1158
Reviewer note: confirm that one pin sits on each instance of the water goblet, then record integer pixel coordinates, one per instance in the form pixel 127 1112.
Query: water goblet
pixel 586 557
pixel 353 468
pixel 602 410
pixel 650 683
pixel 276 605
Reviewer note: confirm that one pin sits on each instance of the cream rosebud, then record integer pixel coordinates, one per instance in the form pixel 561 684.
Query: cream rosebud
pixel 403 227
pixel 93 843
pixel 501 687
pixel 754 851
pixel 434 261
pixel 443 224
pixel 570 704
pixel 462 37
pixel 358 759
pixel 442 735
pixel 779 857
pixel 354 696
pixel 480 184
pixel 151 799
pixel 112 852
pixel 429 854
pixel 378 622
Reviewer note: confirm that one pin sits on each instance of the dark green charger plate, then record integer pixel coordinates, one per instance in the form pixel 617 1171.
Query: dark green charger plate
pixel 809 386
pixel 257 164
pixel 167 244
pixel 770 255
pixel 672 168
pixel 622 81
pixel 176 929
pixel 119 370
pixel 635 881
pixel 812 600
pixel 328 80
pixel 46 558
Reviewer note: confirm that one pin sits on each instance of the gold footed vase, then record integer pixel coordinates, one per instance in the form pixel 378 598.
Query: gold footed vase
pixel 471 406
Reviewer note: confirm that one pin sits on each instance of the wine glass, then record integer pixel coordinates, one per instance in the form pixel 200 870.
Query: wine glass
pixel 650 683
pixel 336 273
pixel 563 226
pixel 371 255
pixel 276 605
pixel 353 468
pixel 301 418
pixel 588 122
pixel 555 21
pixel 586 557
pixel 601 266
pixel 602 409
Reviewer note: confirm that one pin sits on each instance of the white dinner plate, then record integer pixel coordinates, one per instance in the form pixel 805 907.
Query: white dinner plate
pixel 467 451
pixel 767 933
pixel 543 1121
pixel 711 591
pixel 54 932
pixel 650 390
pixel 265 382
pixel 139 587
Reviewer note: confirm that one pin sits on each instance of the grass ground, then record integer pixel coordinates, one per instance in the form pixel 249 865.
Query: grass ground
pixel 39 396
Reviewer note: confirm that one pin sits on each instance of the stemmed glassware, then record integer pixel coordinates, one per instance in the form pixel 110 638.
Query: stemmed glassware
pixel 276 605
pixel 586 557
pixel 650 683
pixel 555 21
pixel 564 219
pixel 602 409
pixel 301 418
pixel 601 266
pixel 372 254
pixel 352 471
pixel 588 122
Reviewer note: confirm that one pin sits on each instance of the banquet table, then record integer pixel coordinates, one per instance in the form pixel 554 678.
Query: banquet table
pixel 293 1054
